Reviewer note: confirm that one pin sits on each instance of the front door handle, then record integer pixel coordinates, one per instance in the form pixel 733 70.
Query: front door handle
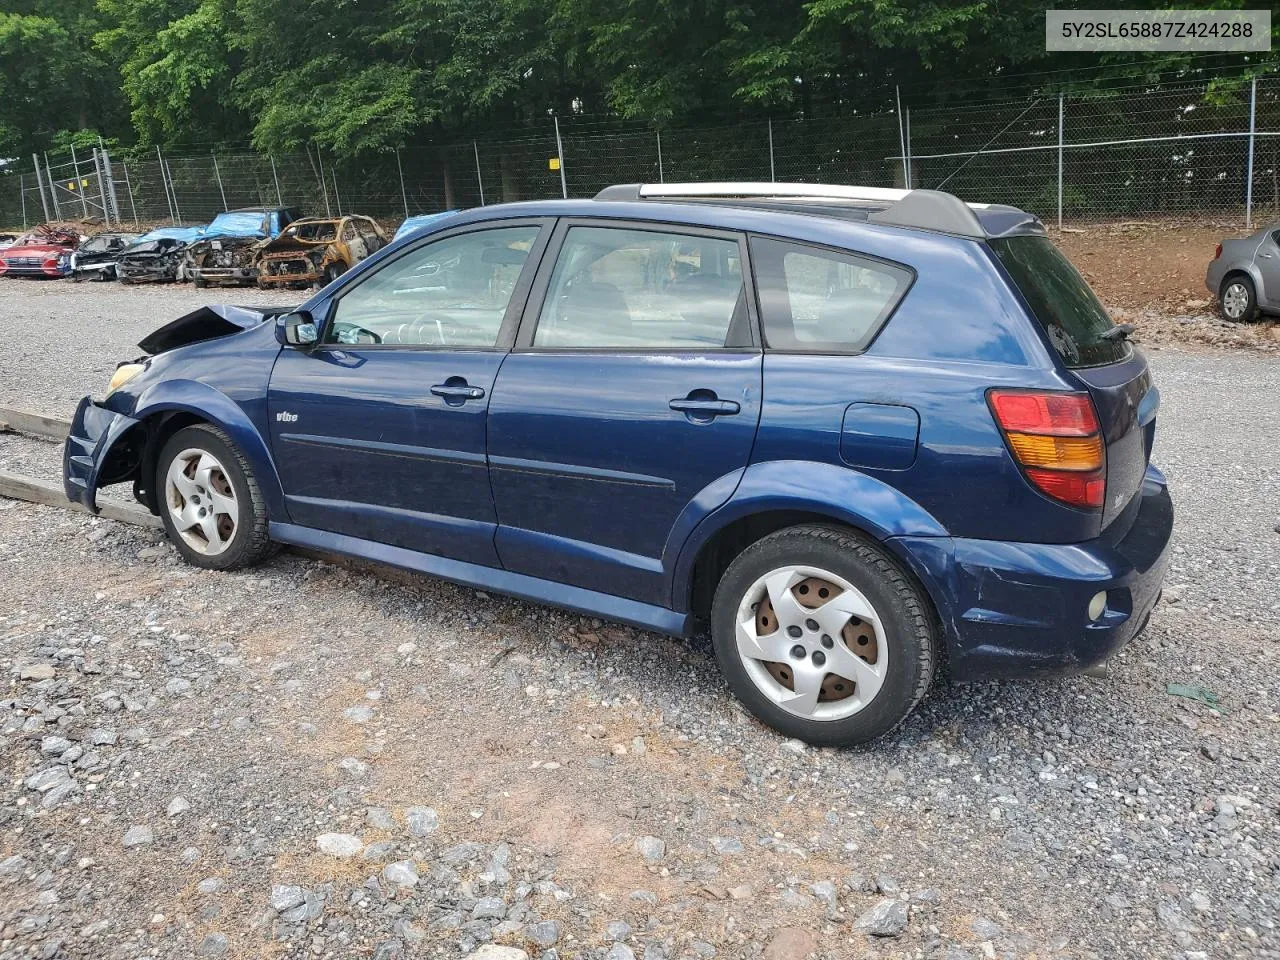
pixel 705 408
pixel 1265 256
pixel 456 390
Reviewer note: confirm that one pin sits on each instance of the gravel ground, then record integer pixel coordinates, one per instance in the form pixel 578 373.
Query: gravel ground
pixel 307 760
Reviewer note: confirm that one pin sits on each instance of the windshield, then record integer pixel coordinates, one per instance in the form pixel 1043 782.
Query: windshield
pixel 1069 311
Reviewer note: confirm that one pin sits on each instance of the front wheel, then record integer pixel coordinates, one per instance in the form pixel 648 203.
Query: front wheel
pixel 210 503
pixel 823 636
pixel 1237 299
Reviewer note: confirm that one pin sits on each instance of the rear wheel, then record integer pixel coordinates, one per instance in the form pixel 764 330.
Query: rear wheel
pixel 823 636
pixel 1237 299
pixel 210 503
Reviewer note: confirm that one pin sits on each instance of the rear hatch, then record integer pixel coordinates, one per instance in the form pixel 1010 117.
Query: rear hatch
pixel 1096 355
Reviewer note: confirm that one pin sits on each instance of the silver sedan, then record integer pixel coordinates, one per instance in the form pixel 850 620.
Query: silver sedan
pixel 1245 275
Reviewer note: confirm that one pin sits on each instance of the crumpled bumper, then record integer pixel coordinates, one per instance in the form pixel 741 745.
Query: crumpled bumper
pixel 94 431
pixel 1021 609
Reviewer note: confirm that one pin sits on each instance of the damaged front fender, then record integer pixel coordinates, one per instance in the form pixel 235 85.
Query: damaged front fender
pixel 207 323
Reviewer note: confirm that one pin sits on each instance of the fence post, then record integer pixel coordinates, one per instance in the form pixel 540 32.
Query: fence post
pixel 658 134
pixel 564 187
pixel 22 192
pixel 337 198
pixel 479 178
pixel 403 196
pixel 1248 186
pixel 902 137
pixel 40 184
pixel 218 176
pixel 164 185
pixel 1061 135
pixel 102 187
pixel 906 122
pixel 173 188
pixel 53 190
pixel 275 180
pixel 124 165
pixel 84 201
pixel 328 211
pixel 111 181
pixel 772 175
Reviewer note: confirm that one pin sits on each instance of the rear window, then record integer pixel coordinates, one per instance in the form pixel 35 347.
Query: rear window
pixel 1069 311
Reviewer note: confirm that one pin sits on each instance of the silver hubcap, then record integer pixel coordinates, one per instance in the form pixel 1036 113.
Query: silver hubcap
pixel 812 643
pixel 1235 300
pixel 202 503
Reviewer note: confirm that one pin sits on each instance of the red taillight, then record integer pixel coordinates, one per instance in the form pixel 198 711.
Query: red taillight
pixel 1070 470
pixel 1217 253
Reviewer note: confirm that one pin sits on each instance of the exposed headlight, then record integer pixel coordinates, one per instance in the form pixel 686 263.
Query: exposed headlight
pixel 124 373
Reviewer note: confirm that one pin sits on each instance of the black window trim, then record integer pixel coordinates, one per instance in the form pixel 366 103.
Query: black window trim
pixel 515 306
pixel 542 282
pixel 912 276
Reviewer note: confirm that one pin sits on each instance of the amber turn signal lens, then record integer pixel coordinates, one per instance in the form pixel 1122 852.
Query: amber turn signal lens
pixel 1057 453
pixel 1054 436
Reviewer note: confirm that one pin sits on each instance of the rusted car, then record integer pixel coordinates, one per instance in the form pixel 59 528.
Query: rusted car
pixel 226 251
pixel 317 250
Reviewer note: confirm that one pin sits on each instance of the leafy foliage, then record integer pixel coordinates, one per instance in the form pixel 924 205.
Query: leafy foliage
pixel 357 76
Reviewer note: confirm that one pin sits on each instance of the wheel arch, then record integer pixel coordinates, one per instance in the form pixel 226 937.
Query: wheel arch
pixel 1251 273
pixel 771 498
pixel 174 404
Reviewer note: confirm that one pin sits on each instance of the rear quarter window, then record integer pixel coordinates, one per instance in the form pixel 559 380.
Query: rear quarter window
pixel 1072 316
pixel 816 300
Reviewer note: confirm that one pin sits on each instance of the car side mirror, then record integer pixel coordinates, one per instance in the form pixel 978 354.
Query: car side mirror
pixel 297 329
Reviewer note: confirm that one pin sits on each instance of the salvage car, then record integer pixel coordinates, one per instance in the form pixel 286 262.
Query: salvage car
pixel 95 258
pixel 1244 275
pixel 226 252
pixel 44 252
pixel 852 432
pixel 316 251
pixel 156 257
pixel 7 240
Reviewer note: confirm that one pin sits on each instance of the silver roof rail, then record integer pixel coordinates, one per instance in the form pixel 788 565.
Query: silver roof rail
pixel 920 209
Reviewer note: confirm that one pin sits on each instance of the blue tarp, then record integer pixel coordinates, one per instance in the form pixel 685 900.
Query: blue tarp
pixel 185 234
pixel 413 223
pixel 245 223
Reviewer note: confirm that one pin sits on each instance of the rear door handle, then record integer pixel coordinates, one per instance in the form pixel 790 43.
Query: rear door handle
pixel 457 392
pixel 705 408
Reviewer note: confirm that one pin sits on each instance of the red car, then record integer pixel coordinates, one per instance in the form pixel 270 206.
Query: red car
pixel 45 252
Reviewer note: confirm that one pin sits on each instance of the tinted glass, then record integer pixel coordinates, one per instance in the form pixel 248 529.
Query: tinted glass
pixel 1070 312
pixel 641 289
pixel 816 299
pixel 453 292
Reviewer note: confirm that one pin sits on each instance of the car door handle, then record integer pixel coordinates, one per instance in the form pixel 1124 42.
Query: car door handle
pixel 1266 256
pixel 705 407
pixel 457 391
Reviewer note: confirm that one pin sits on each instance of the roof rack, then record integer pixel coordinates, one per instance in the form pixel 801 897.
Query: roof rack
pixel 921 209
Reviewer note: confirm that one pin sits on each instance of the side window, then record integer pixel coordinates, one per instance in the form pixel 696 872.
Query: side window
pixel 348 232
pixel 817 299
pixel 450 293
pixel 641 289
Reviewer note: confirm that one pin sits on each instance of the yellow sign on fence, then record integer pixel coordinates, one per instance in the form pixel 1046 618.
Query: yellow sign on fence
pixel 554 163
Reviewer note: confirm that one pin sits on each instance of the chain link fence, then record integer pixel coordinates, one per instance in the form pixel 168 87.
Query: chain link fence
pixel 1106 154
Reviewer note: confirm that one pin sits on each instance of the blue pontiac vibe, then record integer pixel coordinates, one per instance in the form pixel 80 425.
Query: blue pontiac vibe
pixel 853 433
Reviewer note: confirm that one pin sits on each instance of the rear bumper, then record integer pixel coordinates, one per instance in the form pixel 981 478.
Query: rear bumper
pixel 1021 609
pixel 94 432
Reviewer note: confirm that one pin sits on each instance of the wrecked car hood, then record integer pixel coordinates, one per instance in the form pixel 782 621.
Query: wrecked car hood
pixel 207 323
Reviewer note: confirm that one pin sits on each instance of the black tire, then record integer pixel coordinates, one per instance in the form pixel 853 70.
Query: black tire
pixel 1250 311
pixel 249 544
pixel 905 611
pixel 333 272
